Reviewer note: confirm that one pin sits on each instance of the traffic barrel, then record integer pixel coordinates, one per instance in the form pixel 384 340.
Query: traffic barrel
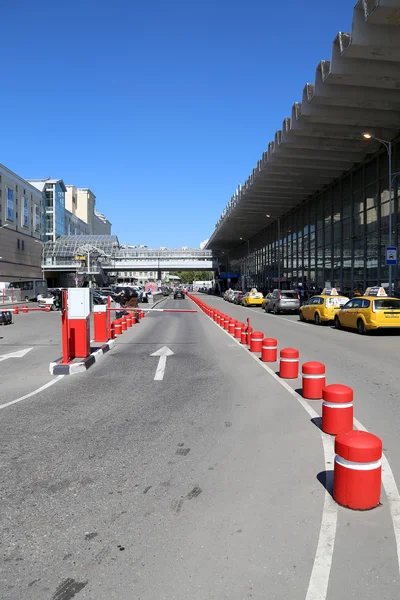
pixel 123 323
pixel 313 380
pixel 226 323
pixel 243 335
pixel 134 318
pixel 25 309
pixel 231 326
pixel 16 310
pixel 112 331
pixel 238 329
pixel 269 350
pixel 215 316
pixel 289 363
pixel 117 327
pixel 256 340
pixel 337 409
pixel 128 320
pixel 358 470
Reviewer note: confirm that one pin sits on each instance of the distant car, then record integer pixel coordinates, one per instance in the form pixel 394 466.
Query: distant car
pixel 283 301
pixel 238 298
pixel 265 301
pixel 179 294
pixel 252 298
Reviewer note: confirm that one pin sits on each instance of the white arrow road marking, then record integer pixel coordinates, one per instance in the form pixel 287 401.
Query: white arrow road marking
pixel 17 354
pixel 162 363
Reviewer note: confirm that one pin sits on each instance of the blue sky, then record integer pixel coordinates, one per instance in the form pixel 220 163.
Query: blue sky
pixel 161 108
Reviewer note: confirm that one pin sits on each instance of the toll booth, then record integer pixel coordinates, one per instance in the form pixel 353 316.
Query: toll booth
pixel 80 305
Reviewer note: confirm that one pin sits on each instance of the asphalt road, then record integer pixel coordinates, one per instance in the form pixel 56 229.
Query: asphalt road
pixel 205 485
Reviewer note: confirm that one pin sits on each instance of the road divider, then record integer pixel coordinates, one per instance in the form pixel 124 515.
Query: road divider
pixel 337 409
pixel 289 363
pixel 256 341
pixel 269 350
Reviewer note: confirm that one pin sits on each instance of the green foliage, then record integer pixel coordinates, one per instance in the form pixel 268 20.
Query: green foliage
pixel 190 276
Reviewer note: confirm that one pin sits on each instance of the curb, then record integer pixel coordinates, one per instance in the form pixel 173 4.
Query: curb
pixel 79 367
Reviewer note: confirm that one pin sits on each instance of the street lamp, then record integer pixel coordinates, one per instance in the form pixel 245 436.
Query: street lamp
pixel 388 146
pixel 278 220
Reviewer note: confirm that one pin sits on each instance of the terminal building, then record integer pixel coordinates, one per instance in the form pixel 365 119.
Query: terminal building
pixel 321 207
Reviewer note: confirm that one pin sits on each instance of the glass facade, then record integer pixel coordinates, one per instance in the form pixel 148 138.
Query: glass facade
pixel 59 210
pixel 337 237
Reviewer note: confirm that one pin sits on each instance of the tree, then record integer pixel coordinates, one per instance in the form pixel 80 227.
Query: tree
pixel 190 276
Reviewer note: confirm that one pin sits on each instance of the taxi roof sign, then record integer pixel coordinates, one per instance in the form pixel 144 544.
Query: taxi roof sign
pixel 375 291
pixel 329 292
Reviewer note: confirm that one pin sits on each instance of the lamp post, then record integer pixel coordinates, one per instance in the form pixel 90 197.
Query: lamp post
pixel 388 146
pixel 248 254
pixel 278 220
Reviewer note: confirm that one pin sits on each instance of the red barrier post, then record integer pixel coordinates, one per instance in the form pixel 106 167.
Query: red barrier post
pixel 25 309
pixel 16 310
pixel 256 340
pixel 238 330
pixel 64 329
pixel 231 326
pixel 289 363
pixel 129 321
pixel 123 323
pixel 358 470
pixel 337 409
pixel 118 327
pixel 109 320
pixel 269 352
pixel 100 323
pixel 243 335
pixel 313 380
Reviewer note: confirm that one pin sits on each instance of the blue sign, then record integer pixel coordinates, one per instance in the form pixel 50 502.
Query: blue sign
pixel 229 275
pixel 391 255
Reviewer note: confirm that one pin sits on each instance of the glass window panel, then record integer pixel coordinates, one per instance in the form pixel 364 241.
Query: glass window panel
pixel 358 224
pixel 371 195
pixel 358 202
pixel 383 164
pixel 320 212
pixel 328 235
pixel 370 172
pixel 337 198
pixel 372 220
pixel 346 186
pixel 346 207
pixel 346 229
pixel 337 231
pixel 358 181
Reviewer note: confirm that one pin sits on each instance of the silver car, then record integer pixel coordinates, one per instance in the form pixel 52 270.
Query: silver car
pixel 283 301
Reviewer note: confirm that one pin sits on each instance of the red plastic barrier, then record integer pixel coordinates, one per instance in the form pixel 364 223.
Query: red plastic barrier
pixel 337 409
pixel 238 329
pixel 313 380
pixel 358 470
pixel 231 326
pixel 117 327
pixel 289 363
pixel 269 352
pixel 256 340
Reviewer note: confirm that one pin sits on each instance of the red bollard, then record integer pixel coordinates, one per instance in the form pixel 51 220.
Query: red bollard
pixel 112 331
pixel 337 409
pixel 134 318
pixel 215 316
pixel 256 340
pixel 238 330
pixel 249 331
pixel 226 323
pixel 231 326
pixel 128 321
pixel 289 363
pixel 123 323
pixel 47 309
pixel 269 351
pixel 358 470
pixel 313 380
pixel 25 309
pixel 117 327
pixel 243 335
pixel 16 310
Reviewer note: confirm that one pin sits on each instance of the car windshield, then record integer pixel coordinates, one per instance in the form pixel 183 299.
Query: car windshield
pixel 387 303
pixel 291 295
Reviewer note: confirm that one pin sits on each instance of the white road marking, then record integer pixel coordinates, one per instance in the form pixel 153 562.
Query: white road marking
pixel 41 389
pixel 392 494
pixel 162 363
pixel 17 354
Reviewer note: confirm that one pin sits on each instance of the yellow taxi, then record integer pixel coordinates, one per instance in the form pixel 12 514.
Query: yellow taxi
pixel 322 308
pixel 374 310
pixel 252 298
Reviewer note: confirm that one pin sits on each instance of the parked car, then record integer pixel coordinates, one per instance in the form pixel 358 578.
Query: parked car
pixel 231 295
pixel 252 298
pixel 375 310
pixel 179 294
pixel 322 308
pixel 265 301
pixel 238 298
pixel 283 301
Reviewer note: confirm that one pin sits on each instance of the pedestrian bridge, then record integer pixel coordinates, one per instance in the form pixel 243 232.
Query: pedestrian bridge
pixel 97 253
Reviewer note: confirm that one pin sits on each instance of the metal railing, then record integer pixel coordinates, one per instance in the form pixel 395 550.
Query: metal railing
pixel 10 295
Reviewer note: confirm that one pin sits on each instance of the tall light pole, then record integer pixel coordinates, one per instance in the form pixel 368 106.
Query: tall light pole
pixel 388 146
pixel 248 254
pixel 278 220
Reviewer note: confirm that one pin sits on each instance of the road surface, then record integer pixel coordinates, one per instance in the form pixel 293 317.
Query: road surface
pixel 206 484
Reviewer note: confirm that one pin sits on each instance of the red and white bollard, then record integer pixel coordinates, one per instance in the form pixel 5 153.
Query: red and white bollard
pixel 358 470
pixel 117 327
pixel 256 340
pixel 243 335
pixel 134 318
pixel 231 326
pixel 269 351
pixel 16 310
pixel 238 330
pixel 25 309
pixel 249 331
pixel 226 323
pixel 129 320
pixel 123 323
pixel 289 363
pixel 313 380
pixel 337 409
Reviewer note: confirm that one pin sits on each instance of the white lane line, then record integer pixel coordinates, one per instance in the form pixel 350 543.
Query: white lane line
pixel 392 494
pixel 162 363
pixel 41 389
pixel 319 578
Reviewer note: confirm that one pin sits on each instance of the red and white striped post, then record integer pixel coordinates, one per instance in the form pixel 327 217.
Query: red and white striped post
pixel 313 380
pixel 289 363
pixel 269 352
